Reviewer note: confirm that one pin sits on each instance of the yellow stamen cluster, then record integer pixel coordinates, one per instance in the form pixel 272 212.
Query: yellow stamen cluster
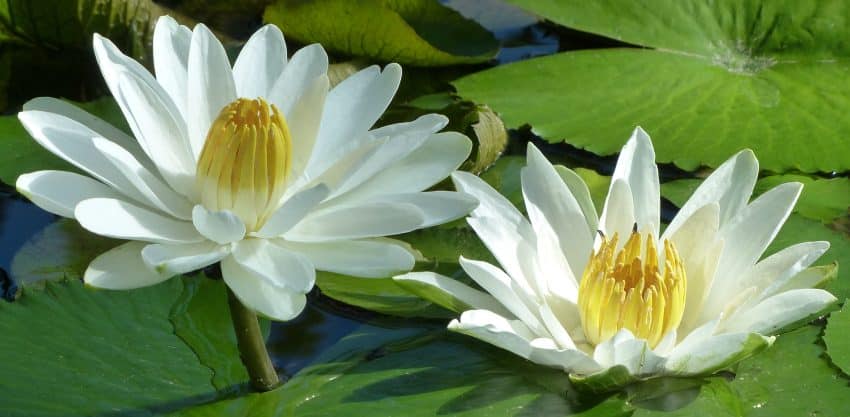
pixel 245 160
pixel 628 290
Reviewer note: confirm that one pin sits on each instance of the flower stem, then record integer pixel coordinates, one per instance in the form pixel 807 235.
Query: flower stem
pixel 252 346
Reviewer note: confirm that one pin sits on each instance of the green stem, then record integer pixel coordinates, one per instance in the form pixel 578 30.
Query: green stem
pixel 252 346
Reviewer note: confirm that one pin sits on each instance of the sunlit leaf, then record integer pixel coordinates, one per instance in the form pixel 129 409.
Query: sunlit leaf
pixel 716 77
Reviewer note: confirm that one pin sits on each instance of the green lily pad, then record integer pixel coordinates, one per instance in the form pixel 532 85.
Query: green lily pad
pixel 415 372
pixel 62 250
pixel 792 378
pixel 414 32
pixel 837 342
pixel 70 350
pixel 715 78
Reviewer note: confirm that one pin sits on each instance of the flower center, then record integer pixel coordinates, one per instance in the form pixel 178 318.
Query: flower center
pixel 245 161
pixel 628 290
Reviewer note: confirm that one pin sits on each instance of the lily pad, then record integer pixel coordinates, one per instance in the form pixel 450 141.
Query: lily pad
pixel 713 78
pixel 837 342
pixel 792 378
pixel 62 250
pixel 416 372
pixel 414 32
pixel 71 350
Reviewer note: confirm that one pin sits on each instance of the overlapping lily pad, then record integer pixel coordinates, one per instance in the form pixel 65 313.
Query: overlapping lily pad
pixel 416 32
pixel 713 78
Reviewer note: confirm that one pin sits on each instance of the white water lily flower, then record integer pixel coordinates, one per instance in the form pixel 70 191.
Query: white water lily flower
pixel 611 299
pixel 259 166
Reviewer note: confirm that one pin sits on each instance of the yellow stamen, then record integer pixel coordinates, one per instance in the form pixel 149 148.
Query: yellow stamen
pixel 628 290
pixel 245 161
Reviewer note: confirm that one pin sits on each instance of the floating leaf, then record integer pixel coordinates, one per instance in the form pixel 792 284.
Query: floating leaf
pixel 723 75
pixel 414 373
pixel 837 342
pixel 69 350
pixel 414 32
pixel 62 250
pixel 792 378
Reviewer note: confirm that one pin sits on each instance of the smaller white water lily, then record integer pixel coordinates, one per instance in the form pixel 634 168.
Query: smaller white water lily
pixel 611 300
pixel 260 166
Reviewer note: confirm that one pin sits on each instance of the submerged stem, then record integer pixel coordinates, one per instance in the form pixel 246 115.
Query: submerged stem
pixel 252 346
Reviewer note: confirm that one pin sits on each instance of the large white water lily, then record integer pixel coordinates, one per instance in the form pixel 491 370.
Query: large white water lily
pixel 612 299
pixel 260 166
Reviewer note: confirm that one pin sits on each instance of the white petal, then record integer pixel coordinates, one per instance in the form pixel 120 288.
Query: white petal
pixel 271 301
pixel 779 311
pixel 156 194
pixel 276 265
pixel 714 353
pixel 555 328
pixel 93 123
pixel 305 65
pixel 355 222
pixel 551 204
pixel 403 139
pixel 360 258
pixel 292 211
pixel 169 260
pixel 636 166
pixel 579 190
pixel 260 63
pixel 624 349
pixel 304 121
pixel 160 132
pixel 500 286
pixel 74 143
pixel 120 219
pixel 508 247
pixel 491 203
pixel 122 268
pixel 429 164
pixel 618 215
pixel 545 352
pixel 59 192
pixel 745 239
pixel 696 242
pixel 730 185
pixel 813 277
pixel 449 287
pixel 210 85
pixel 151 114
pixel 773 272
pixel 222 227
pixel 171 42
pixel 511 335
pixel 438 207
pixel 353 106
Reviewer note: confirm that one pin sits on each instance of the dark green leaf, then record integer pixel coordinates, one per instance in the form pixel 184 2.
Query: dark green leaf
pixel 415 32
pixel 837 342
pixel 69 350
